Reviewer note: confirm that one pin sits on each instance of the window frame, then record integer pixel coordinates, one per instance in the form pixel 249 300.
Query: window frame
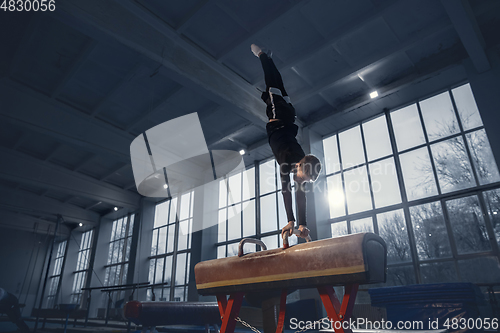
pixel 477 189
pixel 171 285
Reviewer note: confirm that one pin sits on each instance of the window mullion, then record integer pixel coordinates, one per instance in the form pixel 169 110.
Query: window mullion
pixel 429 150
pixel 372 195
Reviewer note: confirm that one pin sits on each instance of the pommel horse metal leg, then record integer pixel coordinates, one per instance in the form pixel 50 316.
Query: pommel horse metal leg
pixel 281 318
pixel 336 311
pixel 229 310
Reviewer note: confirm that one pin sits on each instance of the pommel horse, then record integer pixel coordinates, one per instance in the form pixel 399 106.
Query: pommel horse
pixel 343 261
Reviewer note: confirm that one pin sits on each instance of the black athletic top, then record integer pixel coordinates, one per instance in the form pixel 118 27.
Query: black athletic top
pixel 287 151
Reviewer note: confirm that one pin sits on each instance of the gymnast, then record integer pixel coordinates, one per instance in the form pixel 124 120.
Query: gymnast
pixel 281 133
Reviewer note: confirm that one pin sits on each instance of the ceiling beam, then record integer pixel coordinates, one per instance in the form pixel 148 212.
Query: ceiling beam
pixel 77 64
pixel 22 139
pixel 93 205
pixel 22 106
pixel 44 192
pixel 69 198
pixel 136 70
pixel 129 186
pixel 248 39
pixel 233 15
pixel 138 28
pixel 90 157
pixel 373 60
pixel 439 63
pixel 231 135
pixel 124 166
pixel 17 105
pixel 54 151
pixel 340 33
pixel 30 203
pixel 27 40
pixel 29 223
pixel 22 168
pixel 161 105
pixel 466 26
pixel 198 10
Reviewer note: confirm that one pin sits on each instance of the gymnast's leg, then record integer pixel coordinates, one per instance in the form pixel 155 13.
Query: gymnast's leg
pixel 271 74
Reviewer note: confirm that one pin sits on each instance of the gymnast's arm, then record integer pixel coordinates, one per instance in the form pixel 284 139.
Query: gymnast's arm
pixel 286 188
pixel 300 197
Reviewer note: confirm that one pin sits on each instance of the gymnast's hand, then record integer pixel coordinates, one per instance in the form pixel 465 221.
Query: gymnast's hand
pixel 304 231
pixel 288 228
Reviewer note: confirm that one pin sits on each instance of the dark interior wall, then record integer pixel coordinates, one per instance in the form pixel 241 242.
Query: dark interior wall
pixel 21 260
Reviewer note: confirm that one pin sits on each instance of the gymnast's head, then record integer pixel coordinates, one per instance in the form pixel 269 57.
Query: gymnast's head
pixel 308 169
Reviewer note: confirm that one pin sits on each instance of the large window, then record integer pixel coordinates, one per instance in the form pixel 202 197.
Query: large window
pixel 82 266
pixel 424 178
pixel 170 251
pixel 55 278
pixel 236 212
pixel 251 206
pixel 119 252
pixel 272 209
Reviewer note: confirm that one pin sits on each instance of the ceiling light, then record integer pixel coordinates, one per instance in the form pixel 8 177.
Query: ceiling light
pixel 165 186
pixel 80 224
pixel 373 94
pixel 242 152
pixel 116 208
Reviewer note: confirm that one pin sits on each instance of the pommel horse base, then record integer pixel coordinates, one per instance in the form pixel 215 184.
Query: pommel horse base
pixel 343 261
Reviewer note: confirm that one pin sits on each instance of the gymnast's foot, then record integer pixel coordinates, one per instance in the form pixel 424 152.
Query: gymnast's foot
pixel 257 51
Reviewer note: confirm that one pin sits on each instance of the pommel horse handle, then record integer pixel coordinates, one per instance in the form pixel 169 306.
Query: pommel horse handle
pixel 250 240
pixel 295 232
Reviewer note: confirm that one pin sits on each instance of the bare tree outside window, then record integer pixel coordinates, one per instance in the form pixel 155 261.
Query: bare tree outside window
pixel 468 225
pixel 392 228
pixel 453 168
pixel 400 276
pixel 492 199
pixel 482 157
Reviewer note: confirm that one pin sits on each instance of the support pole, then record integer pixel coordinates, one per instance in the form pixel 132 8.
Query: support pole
pixel 59 220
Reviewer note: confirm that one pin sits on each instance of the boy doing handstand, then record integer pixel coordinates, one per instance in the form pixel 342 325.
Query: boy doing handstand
pixel 281 133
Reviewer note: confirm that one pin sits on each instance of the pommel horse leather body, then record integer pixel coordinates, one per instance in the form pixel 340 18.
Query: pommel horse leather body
pixel 343 261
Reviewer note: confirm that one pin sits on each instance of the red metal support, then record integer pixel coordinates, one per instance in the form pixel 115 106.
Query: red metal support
pixel 350 292
pixel 229 310
pixel 281 319
pixel 336 311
